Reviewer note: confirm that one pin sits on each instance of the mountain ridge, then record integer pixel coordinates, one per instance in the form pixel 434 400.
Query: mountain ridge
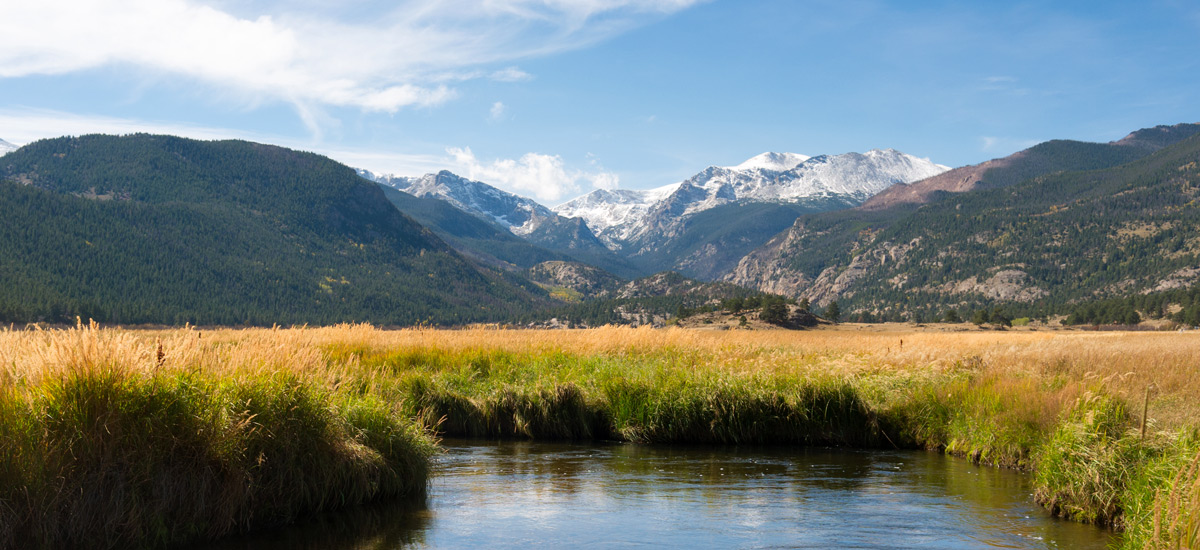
pixel 521 216
pixel 971 177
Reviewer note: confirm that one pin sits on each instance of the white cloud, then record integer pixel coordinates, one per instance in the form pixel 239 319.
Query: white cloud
pixel 544 176
pixel 498 110
pixel 510 74
pixel 308 53
pixel 606 181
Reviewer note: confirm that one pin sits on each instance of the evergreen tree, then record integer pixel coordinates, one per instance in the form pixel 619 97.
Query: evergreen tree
pixel 833 312
pixel 774 311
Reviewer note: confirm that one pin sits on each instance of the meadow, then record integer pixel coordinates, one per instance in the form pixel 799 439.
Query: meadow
pixel 118 437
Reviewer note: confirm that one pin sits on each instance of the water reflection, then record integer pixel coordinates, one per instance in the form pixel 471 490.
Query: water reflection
pixel 381 526
pixel 539 495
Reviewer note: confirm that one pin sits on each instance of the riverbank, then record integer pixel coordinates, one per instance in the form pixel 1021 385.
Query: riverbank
pixel 1066 406
pixel 112 439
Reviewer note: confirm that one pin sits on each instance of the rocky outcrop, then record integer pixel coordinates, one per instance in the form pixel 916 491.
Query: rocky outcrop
pixel 585 279
pixel 1009 285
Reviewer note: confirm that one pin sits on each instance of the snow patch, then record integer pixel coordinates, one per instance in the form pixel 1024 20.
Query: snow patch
pixel 776 162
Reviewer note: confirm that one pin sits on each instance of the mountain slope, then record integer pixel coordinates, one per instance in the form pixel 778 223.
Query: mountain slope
pixel 484 241
pixel 159 229
pixel 519 215
pixel 1049 239
pixel 6 147
pixel 1044 158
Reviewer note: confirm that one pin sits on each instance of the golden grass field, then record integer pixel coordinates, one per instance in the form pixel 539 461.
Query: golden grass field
pixel 1066 404
pixel 1123 363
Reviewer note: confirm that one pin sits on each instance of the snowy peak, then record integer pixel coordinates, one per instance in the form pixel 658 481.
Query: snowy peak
pixel 775 162
pixel 603 209
pixel 6 147
pixel 856 176
pixel 519 214
pixel 859 175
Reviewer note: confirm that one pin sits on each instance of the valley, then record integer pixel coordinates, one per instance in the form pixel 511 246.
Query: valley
pixel 872 301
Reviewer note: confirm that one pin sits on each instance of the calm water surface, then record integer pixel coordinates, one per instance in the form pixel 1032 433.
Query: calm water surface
pixel 550 495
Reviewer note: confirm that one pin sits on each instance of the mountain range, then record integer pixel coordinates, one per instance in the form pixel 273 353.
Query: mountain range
pixel 6 147
pixel 161 229
pixel 700 227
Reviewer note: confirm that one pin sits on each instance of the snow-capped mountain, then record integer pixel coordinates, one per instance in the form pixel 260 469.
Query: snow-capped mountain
pixel 6 147
pixel 759 179
pixel 620 217
pixel 520 215
pixel 701 226
pixel 523 217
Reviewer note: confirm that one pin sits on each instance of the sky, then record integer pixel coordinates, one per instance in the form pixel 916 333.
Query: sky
pixel 551 99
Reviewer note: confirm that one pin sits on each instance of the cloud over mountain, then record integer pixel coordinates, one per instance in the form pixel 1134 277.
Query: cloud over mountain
pixel 304 53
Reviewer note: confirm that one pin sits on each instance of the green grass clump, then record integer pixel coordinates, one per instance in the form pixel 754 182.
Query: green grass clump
pixel 1086 466
pixel 106 458
pixel 1162 502
pixel 741 410
pixel 990 420
pixel 649 398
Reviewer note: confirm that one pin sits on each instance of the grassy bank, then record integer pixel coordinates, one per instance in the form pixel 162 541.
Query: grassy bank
pixel 1067 406
pixel 108 440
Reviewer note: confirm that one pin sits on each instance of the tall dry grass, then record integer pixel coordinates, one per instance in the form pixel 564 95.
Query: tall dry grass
pixel 1064 404
pixel 119 439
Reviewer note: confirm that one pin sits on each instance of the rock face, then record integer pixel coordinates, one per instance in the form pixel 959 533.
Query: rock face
pixel 1008 285
pixel 1179 279
pixel 587 280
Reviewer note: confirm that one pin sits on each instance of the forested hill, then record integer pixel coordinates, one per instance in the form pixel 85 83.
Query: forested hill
pixel 1036 246
pixel 161 229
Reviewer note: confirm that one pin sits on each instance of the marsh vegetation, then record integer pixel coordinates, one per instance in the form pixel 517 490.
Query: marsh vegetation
pixel 159 437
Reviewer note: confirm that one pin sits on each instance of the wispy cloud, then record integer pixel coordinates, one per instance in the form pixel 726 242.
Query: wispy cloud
pixel 546 177
pixel 510 74
pixel 305 53
pixel 498 111
pixel 1005 145
pixel 21 126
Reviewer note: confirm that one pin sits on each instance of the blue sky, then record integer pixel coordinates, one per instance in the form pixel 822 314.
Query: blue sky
pixel 553 98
